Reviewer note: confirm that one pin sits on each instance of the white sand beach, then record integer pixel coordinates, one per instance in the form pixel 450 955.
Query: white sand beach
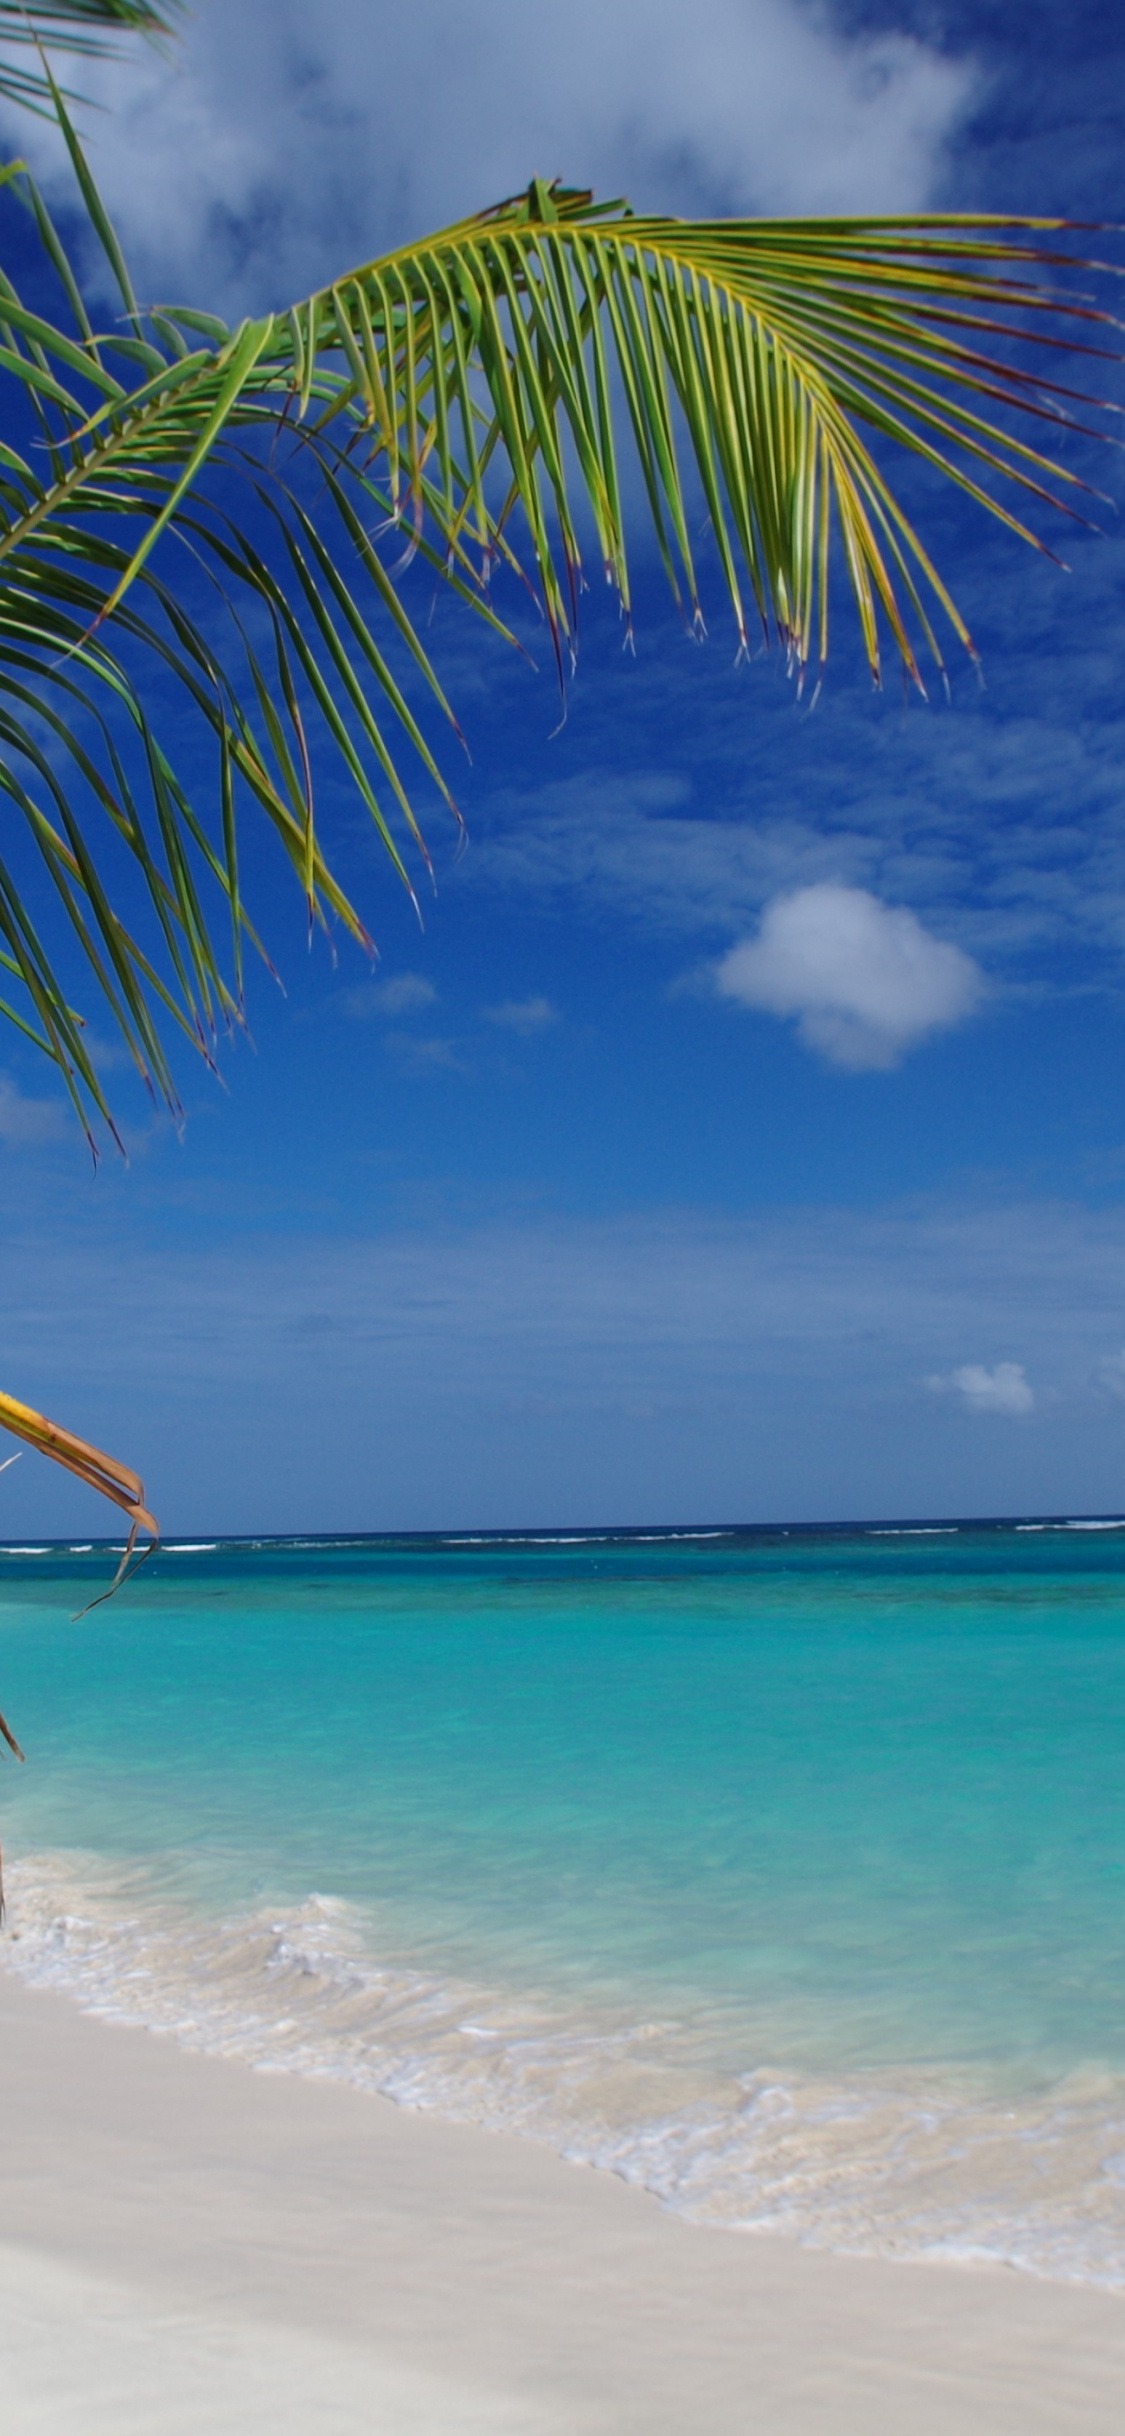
pixel 192 2248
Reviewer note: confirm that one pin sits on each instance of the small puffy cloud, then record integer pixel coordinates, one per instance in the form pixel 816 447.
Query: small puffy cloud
pixel 399 994
pixel 526 1015
pixel 1003 1389
pixel 866 981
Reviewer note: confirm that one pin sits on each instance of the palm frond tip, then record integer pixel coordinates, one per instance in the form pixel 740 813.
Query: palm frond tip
pixel 97 1470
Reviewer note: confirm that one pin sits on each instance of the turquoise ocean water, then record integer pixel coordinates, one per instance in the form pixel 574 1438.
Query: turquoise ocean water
pixel 781 1871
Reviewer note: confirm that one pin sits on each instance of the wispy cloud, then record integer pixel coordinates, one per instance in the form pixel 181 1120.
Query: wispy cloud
pixel 27 1123
pixel 525 1015
pixel 426 1055
pixel 1003 1389
pixel 865 981
pixel 998 823
pixel 399 994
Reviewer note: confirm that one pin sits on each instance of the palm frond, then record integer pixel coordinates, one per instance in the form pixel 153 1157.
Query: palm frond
pixel 473 396
pixel 775 358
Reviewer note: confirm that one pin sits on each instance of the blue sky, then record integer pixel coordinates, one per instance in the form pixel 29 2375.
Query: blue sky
pixel 597 1201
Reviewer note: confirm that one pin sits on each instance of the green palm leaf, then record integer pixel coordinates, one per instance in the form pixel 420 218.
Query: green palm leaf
pixel 471 395
pixel 760 352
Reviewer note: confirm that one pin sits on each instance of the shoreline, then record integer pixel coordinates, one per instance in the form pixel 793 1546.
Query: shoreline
pixel 194 2246
pixel 928 2167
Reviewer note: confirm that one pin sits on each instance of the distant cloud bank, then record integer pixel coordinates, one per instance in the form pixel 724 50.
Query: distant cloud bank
pixel 865 981
pixel 530 1368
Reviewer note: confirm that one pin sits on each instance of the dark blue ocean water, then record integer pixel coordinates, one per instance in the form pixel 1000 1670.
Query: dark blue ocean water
pixel 783 1871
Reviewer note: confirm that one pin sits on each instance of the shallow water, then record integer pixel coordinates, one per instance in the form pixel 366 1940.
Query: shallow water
pixel 781 1871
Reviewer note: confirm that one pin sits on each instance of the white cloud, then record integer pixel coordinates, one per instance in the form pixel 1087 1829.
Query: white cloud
pixel 865 980
pixel 273 143
pixel 1003 1389
pixel 526 1015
